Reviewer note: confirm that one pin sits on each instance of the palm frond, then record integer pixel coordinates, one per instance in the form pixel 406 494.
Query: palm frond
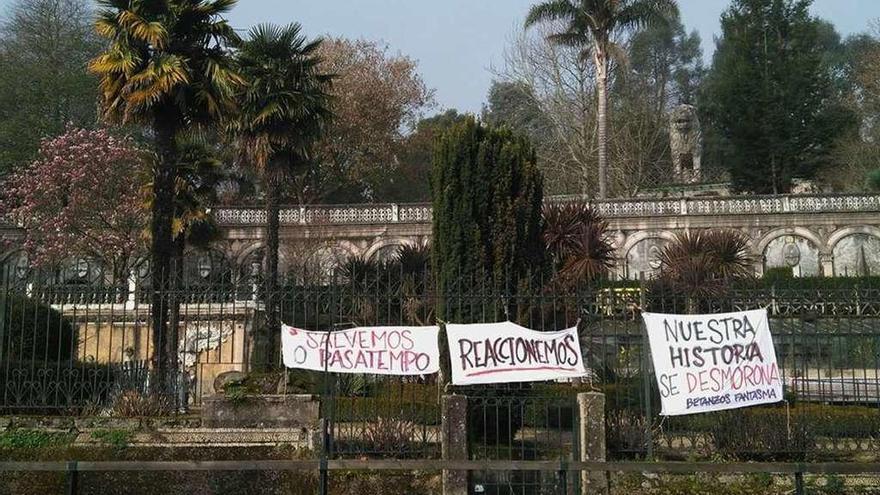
pixel 150 32
pixel 553 10
pixel 142 69
pixel 640 13
pixel 285 100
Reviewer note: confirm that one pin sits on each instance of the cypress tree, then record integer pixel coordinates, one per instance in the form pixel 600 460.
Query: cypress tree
pixel 487 197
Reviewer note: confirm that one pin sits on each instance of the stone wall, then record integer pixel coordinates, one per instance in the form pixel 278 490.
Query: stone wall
pixel 210 344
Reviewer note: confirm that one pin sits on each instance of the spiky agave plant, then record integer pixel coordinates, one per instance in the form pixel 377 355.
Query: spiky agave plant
pixel 413 260
pixel 577 238
pixel 699 265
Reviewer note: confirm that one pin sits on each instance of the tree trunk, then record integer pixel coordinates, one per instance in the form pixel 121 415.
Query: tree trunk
pixel 164 355
pixel 270 339
pixel 602 120
pixel 172 342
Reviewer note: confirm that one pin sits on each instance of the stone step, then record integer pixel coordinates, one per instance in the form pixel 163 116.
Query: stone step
pixel 211 437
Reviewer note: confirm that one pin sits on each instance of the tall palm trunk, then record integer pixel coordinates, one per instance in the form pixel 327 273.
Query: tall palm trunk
pixel 173 302
pixel 271 337
pixel 164 358
pixel 602 120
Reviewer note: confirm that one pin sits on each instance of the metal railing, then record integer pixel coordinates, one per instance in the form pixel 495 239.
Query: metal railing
pixel 78 358
pixel 797 478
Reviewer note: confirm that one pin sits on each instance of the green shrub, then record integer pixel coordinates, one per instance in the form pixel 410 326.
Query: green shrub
pixel 357 409
pixel 118 439
pixel 761 432
pixel 823 420
pixel 833 485
pixel 33 439
pixel 34 331
pixel 777 273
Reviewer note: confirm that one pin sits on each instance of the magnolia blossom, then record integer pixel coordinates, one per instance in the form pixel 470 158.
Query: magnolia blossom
pixel 83 197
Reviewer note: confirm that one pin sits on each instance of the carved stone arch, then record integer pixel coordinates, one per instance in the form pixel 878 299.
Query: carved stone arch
pixel 345 245
pixel 855 251
pixel 19 270
pixel 306 260
pixel 636 254
pixel 5 256
pixel 794 248
pixel 804 232
pixel 635 238
pixel 246 252
pixel 208 266
pixel 845 232
pixel 377 246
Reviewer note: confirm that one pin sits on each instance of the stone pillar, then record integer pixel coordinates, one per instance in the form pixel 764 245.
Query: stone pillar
pixel 826 264
pixel 621 268
pixel 759 266
pixel 591 408
pixel 454 442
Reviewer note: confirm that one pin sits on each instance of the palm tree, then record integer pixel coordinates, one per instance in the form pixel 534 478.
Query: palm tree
pixel 284 107
pixel 592 26
pixel 166 66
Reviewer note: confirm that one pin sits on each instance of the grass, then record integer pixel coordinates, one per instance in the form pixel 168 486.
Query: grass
pixel 34 439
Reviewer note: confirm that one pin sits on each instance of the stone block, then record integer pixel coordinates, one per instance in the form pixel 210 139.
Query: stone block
pixel 188 422
pixel 42 423
pixel 261 411
pixel 591 408
pixel 454 442
pixel 98 423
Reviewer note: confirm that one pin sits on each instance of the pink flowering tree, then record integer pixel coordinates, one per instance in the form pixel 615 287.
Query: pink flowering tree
pixel 83 197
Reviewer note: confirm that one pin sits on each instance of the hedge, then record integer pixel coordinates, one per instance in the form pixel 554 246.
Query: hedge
pixel 34 331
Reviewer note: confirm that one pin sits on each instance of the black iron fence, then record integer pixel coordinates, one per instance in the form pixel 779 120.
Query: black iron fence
pixel 366 477
pixel 71 349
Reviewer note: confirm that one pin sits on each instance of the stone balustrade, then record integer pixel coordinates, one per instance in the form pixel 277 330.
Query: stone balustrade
pixel 368 214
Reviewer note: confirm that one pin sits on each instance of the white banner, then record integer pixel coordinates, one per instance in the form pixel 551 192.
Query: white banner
pixel 709 363
pixel 507 352
pixel 380 350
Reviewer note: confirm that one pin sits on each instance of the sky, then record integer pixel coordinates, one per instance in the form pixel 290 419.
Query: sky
pixel 457 42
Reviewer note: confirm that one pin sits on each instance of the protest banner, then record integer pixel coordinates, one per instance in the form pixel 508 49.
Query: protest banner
pixel 507 353
pixel 379 350
pixel 709 363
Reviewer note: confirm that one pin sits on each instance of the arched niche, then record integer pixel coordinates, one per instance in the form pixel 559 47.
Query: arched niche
pixel 643 258
pixel 857 255
pixel 207 267
pixel 318 265
pixel 18 270
pixel 386 250
pixel 795 252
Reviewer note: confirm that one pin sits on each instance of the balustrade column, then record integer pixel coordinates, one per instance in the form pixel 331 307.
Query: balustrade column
pixel 131 297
